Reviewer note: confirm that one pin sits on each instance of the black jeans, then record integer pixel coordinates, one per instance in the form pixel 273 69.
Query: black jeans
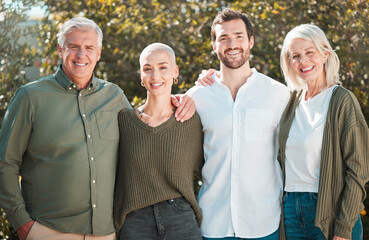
pixel 168 220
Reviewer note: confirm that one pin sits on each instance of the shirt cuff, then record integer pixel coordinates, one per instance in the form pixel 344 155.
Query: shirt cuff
pixel 19 218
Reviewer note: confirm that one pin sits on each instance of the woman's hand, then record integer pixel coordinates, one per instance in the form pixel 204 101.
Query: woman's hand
pixel 338 238
pixel 205 78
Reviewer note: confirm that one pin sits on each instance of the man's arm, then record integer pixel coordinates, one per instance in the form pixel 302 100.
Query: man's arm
pixel 15 132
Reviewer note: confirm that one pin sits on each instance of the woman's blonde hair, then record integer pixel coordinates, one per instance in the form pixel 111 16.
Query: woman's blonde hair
pixel 315 35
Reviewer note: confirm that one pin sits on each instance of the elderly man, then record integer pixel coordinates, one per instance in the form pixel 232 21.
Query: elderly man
pixel 60 134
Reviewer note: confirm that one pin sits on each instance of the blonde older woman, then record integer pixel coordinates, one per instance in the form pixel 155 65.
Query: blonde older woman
pixel 324 142
pixel 158 158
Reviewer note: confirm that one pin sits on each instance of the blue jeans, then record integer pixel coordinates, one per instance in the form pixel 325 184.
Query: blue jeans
pixel 273 236
pixel 168 220
pixel 299 217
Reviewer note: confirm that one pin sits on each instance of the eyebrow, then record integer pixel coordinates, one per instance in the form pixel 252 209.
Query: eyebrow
pixel 304 50
pixel 236 33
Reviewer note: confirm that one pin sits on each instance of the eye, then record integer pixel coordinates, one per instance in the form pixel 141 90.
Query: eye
pixel 163 68
pixel 239 36
pixel 146 69
pixel 222 39
pixel 295 57
pixel 309 53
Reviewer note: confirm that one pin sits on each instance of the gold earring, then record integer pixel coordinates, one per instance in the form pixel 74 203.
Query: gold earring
pixel 175 80
pixel 142 84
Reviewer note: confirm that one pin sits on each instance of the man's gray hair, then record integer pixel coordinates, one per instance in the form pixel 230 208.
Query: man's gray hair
pixel 155 47
pixel 79 23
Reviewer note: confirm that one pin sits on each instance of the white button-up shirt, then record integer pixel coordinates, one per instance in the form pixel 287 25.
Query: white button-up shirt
pixel 242 181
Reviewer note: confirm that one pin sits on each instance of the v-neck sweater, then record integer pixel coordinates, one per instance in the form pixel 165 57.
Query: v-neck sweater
pixel 156 163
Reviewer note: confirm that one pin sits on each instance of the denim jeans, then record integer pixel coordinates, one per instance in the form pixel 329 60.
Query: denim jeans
pixel 168 220
pixel 299 217
pixel 273 236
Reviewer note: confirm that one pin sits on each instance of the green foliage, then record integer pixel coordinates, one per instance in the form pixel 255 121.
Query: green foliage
pixel 6 231
pixel 14 56
pixel 129 26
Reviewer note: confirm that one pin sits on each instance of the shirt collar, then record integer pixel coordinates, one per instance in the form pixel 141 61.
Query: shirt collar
pixel 253 76
pixel 69 85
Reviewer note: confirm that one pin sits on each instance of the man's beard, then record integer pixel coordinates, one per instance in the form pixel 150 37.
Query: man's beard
pixel 234 64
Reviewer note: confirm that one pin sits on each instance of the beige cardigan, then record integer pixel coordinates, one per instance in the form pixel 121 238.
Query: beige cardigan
pixel 344 167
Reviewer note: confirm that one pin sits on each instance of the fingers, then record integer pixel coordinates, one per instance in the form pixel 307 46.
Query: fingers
pixel 175 99
pixel 205 78
pixel 186 109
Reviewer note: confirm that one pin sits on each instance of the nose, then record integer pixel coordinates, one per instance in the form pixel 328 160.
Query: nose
pixel 81 52
pixel 231 43
pixel 154 74
pixel 304 58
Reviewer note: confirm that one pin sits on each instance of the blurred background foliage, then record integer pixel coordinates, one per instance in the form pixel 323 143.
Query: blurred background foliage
pixel 130 25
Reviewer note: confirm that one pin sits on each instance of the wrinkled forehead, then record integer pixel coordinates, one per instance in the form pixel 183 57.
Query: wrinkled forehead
pixel 78 36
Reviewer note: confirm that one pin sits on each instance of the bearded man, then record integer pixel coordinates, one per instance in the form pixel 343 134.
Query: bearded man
pixel 242 184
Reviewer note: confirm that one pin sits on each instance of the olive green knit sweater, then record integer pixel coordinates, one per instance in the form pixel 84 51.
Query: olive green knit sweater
pixel 156 163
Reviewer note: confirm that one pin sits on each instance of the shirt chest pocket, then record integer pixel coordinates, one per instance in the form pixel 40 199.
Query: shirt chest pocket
pixel 258 124
pixel 107 124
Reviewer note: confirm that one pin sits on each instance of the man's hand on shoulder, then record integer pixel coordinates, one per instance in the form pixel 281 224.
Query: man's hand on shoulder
pixel 185 107
pixel 205 78
pixel 24 230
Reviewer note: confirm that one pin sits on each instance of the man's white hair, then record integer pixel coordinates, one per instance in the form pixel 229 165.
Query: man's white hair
pixel 79 23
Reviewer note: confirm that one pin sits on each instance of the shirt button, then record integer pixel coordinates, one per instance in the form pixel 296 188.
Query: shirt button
pixel 93 181
pixel 88 136
pixel 83 115
pixel 74 86
pixel 80 94
pixel 89 88
pixel 92 159
pixel 94 205
pixel 70 88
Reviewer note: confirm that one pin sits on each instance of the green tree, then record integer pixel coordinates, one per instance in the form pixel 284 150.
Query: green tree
pixel 130 25
pixel 14 55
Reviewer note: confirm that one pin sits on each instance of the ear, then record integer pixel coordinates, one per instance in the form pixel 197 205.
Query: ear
pixel 326 55
pixel 60 51
pixel 176 72
pixel 251 41
pixel 214 47
pixel 99 54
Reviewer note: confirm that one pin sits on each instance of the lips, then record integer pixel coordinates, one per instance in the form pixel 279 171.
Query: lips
pixel 157 84
pixel 80 64
pixel 306 69
pixel 232 52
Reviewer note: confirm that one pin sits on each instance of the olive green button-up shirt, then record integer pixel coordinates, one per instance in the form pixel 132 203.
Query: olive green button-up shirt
pixel 63 141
